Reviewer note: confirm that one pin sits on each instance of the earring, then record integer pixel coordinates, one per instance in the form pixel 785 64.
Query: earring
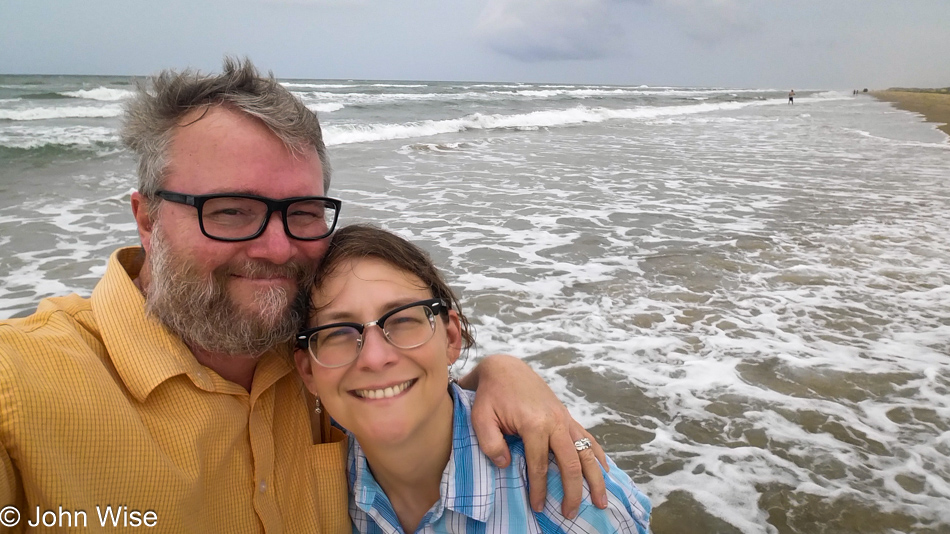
pixel 453 375
pixel 316 408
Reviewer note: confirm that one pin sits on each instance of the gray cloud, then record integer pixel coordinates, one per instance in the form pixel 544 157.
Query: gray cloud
pixel 711 21
pixel 318 3
pixel 544 30
pixel 735 43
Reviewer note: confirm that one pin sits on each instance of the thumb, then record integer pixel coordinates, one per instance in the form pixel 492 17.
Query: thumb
pixel 490 439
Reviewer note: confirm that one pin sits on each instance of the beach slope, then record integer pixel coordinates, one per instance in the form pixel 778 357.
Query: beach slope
pixel 934 105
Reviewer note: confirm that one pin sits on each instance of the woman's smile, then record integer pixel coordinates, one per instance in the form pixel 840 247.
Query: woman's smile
pixel 387 392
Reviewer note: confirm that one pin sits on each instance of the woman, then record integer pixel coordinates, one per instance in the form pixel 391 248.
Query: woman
pixel 384 330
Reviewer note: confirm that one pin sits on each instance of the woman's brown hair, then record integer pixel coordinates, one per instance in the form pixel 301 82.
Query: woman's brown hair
pixel 358 241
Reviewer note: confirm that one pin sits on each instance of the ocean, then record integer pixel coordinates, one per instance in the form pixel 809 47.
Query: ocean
pixel 745 301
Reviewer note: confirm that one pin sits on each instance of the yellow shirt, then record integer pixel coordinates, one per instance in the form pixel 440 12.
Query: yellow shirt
pixel 101 406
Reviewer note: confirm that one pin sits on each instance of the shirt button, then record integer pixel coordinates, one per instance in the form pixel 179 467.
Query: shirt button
pixel 262 486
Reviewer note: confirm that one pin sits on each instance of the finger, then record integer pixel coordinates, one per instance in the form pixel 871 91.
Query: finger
pixel 569 463
pixel 490 439
pixel 536 458
pixel 598 453
pixel 591 461
pixel 594 477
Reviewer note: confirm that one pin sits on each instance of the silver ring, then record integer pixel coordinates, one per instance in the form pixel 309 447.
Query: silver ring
pixel 582 444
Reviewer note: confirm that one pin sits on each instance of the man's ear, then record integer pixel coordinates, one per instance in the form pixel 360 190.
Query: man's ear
pixel 305 368
pixel 143 220
pixel 453 334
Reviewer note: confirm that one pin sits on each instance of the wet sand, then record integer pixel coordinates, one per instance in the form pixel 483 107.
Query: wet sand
pixel 935 107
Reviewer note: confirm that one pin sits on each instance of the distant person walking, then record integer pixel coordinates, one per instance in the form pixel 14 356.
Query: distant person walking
pixel 791 96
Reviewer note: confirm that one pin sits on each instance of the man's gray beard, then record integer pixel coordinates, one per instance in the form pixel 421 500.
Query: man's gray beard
pixel 199 309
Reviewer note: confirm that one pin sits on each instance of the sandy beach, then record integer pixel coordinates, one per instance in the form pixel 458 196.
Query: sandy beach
pixel 935 107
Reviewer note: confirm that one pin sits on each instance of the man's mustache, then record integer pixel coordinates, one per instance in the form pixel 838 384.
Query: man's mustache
pixel 301 272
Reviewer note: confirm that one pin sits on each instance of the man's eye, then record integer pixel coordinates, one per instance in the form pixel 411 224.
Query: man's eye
pixel 234 212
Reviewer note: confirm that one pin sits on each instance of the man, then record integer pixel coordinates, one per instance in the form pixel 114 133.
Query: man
pixel 168 398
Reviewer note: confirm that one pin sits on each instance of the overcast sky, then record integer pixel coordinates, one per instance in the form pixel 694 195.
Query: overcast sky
pixel 802 44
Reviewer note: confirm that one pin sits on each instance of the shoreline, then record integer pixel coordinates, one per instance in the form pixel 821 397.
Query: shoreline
pixel 935 107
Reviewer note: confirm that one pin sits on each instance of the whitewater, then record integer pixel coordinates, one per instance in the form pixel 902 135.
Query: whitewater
pixel 744 300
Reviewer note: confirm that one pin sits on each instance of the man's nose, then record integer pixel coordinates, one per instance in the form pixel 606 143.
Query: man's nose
pixel 273 244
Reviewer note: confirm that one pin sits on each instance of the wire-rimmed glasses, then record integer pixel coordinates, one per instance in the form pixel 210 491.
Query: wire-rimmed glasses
pixel 406 327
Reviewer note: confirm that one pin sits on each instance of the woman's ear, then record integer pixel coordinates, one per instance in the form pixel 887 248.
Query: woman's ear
pixel 453 334
pixel 305 368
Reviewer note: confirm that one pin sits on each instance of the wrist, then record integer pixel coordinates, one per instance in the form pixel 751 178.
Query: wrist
pixel 493 365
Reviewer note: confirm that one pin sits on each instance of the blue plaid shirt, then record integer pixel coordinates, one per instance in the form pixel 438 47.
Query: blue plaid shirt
pixel 478 497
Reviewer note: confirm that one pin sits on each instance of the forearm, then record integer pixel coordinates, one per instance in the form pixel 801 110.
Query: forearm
pixel 496 365
pixel 470 380
pixel 513 399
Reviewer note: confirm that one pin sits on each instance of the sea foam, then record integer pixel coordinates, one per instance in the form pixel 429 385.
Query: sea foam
pixel 66 112
pixel 105 94
pixel 345 134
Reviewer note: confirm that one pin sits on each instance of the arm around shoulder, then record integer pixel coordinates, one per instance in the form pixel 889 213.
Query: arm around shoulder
pixel 628 509
pixel 513 399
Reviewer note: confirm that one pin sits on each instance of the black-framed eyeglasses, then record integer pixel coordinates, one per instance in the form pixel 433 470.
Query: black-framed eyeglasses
pixel 406 327
pixel 237 217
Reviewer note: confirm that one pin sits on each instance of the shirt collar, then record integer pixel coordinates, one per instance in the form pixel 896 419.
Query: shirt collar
pixel 477 498
pixel 144 352
pixel 468 481
pixel 365 487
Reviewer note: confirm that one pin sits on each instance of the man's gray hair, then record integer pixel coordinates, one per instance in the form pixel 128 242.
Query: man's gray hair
pixel 153 114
